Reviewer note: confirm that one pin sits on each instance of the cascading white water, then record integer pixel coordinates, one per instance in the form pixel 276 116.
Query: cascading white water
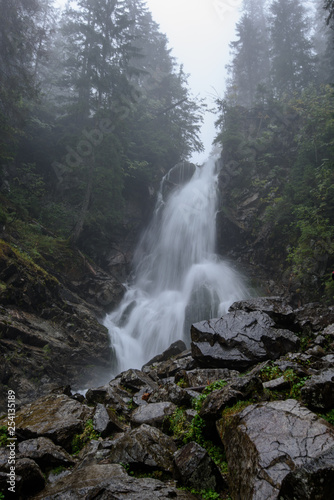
pixel 179 279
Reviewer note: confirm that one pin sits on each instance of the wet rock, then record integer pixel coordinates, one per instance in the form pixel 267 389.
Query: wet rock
pixel 52 351
pixel 314 317
pixel 278 384
pixel 145 447
pixel 45 453
pixel 195 469
pixel 315 480
pixel 111 395
pixel 265 442
pixel 183 361
pixel 205 376
pixel 55 416
pixel 276 307
pixel 81 482
pixel 318 391
pixel 152 414
pixel 142 489
pixel 173 393
pixel 29 476
pixel 105 422
pixel 217 401
pixel 239 340
pixel 177 347
pixel 136 379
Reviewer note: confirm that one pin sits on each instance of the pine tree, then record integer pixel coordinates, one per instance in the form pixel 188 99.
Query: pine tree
pixel 250 64
pixel 291 50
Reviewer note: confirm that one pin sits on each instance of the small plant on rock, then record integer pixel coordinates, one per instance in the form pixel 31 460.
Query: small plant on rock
pixel 80 440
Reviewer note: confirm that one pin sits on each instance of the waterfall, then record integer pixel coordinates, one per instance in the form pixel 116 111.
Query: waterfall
pixel 179 279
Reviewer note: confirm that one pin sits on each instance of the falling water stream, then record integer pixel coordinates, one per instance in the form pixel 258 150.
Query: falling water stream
pixel 179 279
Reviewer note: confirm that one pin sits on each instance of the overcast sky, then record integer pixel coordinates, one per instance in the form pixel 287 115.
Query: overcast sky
pixel 199 32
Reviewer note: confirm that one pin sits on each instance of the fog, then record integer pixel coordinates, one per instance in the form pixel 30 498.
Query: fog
pixel 199 33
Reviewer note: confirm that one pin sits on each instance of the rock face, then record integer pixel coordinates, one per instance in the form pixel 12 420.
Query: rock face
pixel 265 442
pixel 239 340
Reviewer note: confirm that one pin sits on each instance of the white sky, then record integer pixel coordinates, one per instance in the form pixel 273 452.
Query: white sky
pixel 199 32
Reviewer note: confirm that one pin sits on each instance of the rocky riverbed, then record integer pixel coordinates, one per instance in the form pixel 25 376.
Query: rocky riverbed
pixel 246 413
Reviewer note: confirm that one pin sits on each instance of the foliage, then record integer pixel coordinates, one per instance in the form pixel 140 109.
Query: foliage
pixel 204 494
pixel 3 435
pixel 80 440
pixel 329 416
pixel 270 372
pixel 296 383
pixel 185 431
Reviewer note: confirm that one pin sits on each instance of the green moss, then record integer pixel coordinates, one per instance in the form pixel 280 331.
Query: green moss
pixel 80 440
pixel 3 435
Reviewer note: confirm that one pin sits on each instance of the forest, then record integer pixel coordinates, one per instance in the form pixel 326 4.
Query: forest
pixel 276 127
pixel 93 110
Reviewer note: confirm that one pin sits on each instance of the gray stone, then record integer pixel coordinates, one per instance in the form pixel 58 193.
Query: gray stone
pixel 45 453
pixel 313 481
pixel 152 414
pixel 105 422
pixel 136 379
pixel 173 393
pixel 204 376
pixel 276 307
pixel 195 469
pixel 145 447
pixel 55 416
pixel 278 384
pixel 265 442
pixel 239 340
pixel 183 361
pixel 318 391
pixel 29 478
pixel 176 348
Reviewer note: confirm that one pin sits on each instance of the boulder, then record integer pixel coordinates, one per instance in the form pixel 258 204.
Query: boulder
pixel 173 393
pixel 134 380
pixel 276 307
pixel 55 416
pixel 183 361
pixel 29 478
pixel 152 414
pixel 45 453
pixel 176 348
pixel 145 447
pixel 112 395
pixel 239 340
pixel 195 469
pixel 315 480
pixel 265 442
pixel 204 376
pixel 238 389
pixel 318 391
pixel 110 481
pixel 105 422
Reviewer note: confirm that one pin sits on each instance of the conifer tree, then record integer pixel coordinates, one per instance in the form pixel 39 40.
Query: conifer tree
pixel 250 64
pixel 291 49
